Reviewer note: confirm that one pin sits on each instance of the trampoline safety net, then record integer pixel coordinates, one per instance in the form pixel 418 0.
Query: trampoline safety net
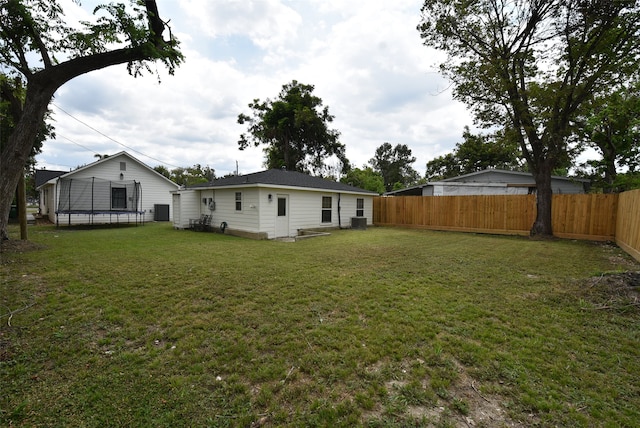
pixel 93 196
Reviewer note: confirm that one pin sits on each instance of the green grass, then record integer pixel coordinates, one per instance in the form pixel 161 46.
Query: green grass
pixel 148 326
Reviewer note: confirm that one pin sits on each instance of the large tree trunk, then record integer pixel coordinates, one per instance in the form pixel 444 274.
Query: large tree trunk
pixel 542 227
pixel 22 207
pixel 15 154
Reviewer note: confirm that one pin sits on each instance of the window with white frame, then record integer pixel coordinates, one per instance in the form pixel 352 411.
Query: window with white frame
pixel 326 209
pixel 238 201
pixel 360 207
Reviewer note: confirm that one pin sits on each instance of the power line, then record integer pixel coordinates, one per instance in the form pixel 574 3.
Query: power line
pixel 108 137
pixel 77 144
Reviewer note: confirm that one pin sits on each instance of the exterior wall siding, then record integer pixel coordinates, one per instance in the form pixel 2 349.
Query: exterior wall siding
pixel 154 190
pixel 558 186
pixel 258 214
pixel 246 219
pixel 448 190
pixel 189 209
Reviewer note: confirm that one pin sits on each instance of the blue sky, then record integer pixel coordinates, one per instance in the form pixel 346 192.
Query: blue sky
pixel 365 59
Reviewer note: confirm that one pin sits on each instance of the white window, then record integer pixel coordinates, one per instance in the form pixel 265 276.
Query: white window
pixel 326 209
pixel 360 207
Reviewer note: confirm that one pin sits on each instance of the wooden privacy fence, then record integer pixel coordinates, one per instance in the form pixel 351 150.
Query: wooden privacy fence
pixel 591 216
pixel 628 223
pixel 574 216
pixel 492 214
pixel 595 217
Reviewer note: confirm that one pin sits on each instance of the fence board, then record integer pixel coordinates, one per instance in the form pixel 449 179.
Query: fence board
pixel 591 216
pixel 628 223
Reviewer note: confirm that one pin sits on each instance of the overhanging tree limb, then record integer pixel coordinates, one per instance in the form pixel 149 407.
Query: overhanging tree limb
pixel 24 29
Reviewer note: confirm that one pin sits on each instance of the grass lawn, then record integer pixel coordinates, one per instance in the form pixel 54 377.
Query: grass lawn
pixel 148 326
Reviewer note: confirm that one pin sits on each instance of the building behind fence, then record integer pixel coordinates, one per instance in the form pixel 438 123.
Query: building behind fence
pixel 598 217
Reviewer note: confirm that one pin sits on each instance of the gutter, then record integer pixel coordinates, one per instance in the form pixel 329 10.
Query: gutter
pixel 339 219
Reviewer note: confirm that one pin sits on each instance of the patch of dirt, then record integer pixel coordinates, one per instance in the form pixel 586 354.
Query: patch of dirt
pixel 616 256
pixel 19 246
pixel 464 405
pixel 484 410
pixel 615 291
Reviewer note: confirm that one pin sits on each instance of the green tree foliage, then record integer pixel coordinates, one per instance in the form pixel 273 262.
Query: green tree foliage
pixel 189 176
pixel 12 94
pixel 295 130
pixel 365 178
pixel 530 66
pixel 162 170
pixel 475 153
pixel 611 125
pixel 394 165
pixel 41 50
pixel 445 166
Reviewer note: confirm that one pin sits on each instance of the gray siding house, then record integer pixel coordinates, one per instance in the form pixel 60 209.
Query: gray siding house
pixel 492 182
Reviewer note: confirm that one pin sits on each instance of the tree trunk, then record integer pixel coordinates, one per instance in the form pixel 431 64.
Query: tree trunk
pixel 18 147
pixel 609 157
pixel 544 194
pixel 22 207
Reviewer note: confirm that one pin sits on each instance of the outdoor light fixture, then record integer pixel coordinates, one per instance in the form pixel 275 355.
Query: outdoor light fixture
pixel 270 197
pixel 121 176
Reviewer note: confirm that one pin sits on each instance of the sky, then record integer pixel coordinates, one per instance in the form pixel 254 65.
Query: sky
pixel 364 58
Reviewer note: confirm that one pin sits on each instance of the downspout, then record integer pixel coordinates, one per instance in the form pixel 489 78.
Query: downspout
pixel 93 208
pixel 339 220
pixel 142 212
pixel 70 183
pixel 56 201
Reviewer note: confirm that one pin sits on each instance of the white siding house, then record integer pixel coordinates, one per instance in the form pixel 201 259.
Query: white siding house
pixel 273 204
pixel 115 189
pixel 492 182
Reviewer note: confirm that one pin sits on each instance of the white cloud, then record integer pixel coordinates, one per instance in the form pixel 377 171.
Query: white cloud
pixel 268 23
pixel 365 60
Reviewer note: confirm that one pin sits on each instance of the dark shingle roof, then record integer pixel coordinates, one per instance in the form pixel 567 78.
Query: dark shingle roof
pixel 279 177
pixel 44 175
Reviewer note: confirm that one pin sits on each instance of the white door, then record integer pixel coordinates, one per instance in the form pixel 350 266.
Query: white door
pixel 282 216
pixel 176 210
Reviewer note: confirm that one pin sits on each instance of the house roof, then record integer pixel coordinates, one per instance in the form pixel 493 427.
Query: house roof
pixel 44 175
pixel 278 177
pixel 108 159
pixel 416 190
pixel 509 173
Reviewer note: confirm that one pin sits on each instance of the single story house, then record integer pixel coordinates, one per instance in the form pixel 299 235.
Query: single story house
pixel 273 204
pixel 492 182
pixel 115 189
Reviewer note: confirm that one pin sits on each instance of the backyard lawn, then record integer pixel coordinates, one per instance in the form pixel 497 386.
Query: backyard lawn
pixel 149 326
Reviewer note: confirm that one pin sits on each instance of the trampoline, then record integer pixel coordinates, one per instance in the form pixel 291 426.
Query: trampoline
pixel 99 199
